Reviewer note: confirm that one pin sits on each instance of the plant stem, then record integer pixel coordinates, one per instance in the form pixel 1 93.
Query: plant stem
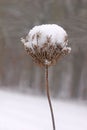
pixel 48 96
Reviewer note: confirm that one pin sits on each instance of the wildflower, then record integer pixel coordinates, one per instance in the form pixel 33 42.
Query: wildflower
pixel 46 44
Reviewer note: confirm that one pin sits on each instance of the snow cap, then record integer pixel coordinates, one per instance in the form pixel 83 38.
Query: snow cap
pixel 39 35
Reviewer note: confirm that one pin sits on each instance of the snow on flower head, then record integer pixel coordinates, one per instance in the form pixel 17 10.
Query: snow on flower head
pixel 46 43
pixel 56 34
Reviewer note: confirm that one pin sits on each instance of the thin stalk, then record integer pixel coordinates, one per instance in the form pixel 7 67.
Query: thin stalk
pixel 48 96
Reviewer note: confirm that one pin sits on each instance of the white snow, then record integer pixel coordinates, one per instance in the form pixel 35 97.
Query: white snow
pixel 23 112
pixel 67 48
pixel 56 33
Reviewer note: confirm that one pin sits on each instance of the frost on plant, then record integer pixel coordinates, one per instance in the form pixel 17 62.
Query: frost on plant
pixel 46 44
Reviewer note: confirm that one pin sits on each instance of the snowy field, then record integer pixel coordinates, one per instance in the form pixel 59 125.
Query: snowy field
pixel 23 112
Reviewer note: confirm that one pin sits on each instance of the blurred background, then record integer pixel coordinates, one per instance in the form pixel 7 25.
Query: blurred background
pixel 21 80
pixel 68 78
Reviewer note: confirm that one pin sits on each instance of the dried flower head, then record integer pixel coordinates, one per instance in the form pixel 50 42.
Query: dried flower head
pixel 46 44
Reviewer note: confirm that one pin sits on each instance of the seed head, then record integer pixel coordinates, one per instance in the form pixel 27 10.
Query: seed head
pixel 46 44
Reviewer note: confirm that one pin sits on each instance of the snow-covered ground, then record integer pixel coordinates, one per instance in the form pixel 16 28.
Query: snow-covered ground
pixel 23 112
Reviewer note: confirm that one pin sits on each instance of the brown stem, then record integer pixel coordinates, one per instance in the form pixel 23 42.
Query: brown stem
pixel 48 96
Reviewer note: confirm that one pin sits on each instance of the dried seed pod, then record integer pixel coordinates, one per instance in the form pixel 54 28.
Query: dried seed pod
pixel 46 44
